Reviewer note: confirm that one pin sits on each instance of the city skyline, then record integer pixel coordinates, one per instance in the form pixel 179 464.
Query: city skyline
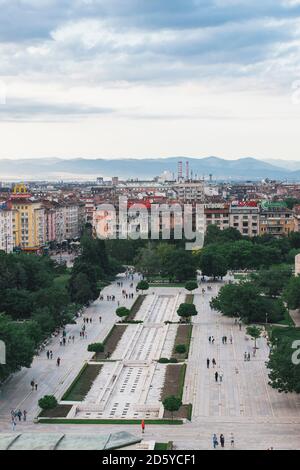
pixel 108 79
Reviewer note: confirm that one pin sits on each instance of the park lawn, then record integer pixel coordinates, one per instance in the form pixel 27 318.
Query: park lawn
pixel 163 445
pixel 136 307
pixel 189 298
pixel 60 411
pixel 174 385
pixel 136 422
pixel 111 341
pixel 183 336
pixel 83 383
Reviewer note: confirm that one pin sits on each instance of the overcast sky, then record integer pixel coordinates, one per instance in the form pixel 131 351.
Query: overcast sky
pixel 142 78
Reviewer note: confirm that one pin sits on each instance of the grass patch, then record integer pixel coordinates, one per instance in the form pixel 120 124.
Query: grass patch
pixel 163 445
pixel 110 421
pixel 110 342
pixel 136 307
pixel 183 336
pixel 189 411
pixel 83 383
pixel 189 298
pixel 174 381
pixel 60 411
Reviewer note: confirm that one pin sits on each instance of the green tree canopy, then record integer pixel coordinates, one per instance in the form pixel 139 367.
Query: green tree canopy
pixel 48 402
pixel 186 310
pixel 172 403
pixel 142 285
pixel 191 285
pixel 122 312
pixel 284 374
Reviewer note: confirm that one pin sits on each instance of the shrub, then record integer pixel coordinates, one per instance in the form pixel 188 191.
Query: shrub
pixel 173 360
pixel 180 348
pixel 96 347
pixel 163 360
pixel 48 402
pixel 172 403
pixel 122 312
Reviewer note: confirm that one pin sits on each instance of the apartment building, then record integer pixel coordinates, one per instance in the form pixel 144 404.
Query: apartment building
pixel 244 216
pixel 217 214
pixel 276 219
pixel 29 227
pixel 190 192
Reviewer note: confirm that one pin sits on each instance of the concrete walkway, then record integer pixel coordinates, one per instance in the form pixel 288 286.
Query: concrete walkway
pixel 243 403
pixel 53 380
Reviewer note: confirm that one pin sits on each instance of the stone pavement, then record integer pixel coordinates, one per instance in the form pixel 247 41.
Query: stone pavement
pixel 53 380
pixel 243 403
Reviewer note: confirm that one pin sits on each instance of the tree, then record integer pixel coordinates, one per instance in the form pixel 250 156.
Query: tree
pixel 180 348
pixel 20 346
pixel 292 293
pixel 242 300
pixel 172 403
pixel 273 280
pixel 122 312
pixel 284 373
pixel 212 263
pixel 215 235
pixel 142 285
pixel 147 262
pixel 254 332
pixel 96 347
pixel 180 265
pixel 191 285
pixel 186 310
pixel 81 289
pixel 48 402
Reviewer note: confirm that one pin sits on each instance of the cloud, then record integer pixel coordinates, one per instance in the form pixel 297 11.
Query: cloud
pixel 127 43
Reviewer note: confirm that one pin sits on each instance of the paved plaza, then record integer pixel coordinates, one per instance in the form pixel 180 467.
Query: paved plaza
pixel 243 403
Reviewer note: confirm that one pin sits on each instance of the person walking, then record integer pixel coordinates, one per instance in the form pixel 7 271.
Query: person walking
pixel 222 441
pixel 215 441
pixel 216 376
pixel 58 362
pixel 207 362
pixel 24 415
pixel 51 355
pixel 221 377
pixel 48 354
pixel 214 362
pixel 36 387
pixel 13 424
pixel 232 439
pixel 32 385
pixel 100 319
pixel 143 426
pixel 19 415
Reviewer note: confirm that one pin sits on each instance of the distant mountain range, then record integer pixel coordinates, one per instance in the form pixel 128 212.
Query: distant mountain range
pixel 52 169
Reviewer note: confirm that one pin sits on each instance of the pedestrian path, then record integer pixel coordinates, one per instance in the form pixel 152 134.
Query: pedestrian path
pixel 52 380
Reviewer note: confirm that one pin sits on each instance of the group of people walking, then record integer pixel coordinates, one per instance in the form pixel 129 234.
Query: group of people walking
pixel 17 415
pixel 215 440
